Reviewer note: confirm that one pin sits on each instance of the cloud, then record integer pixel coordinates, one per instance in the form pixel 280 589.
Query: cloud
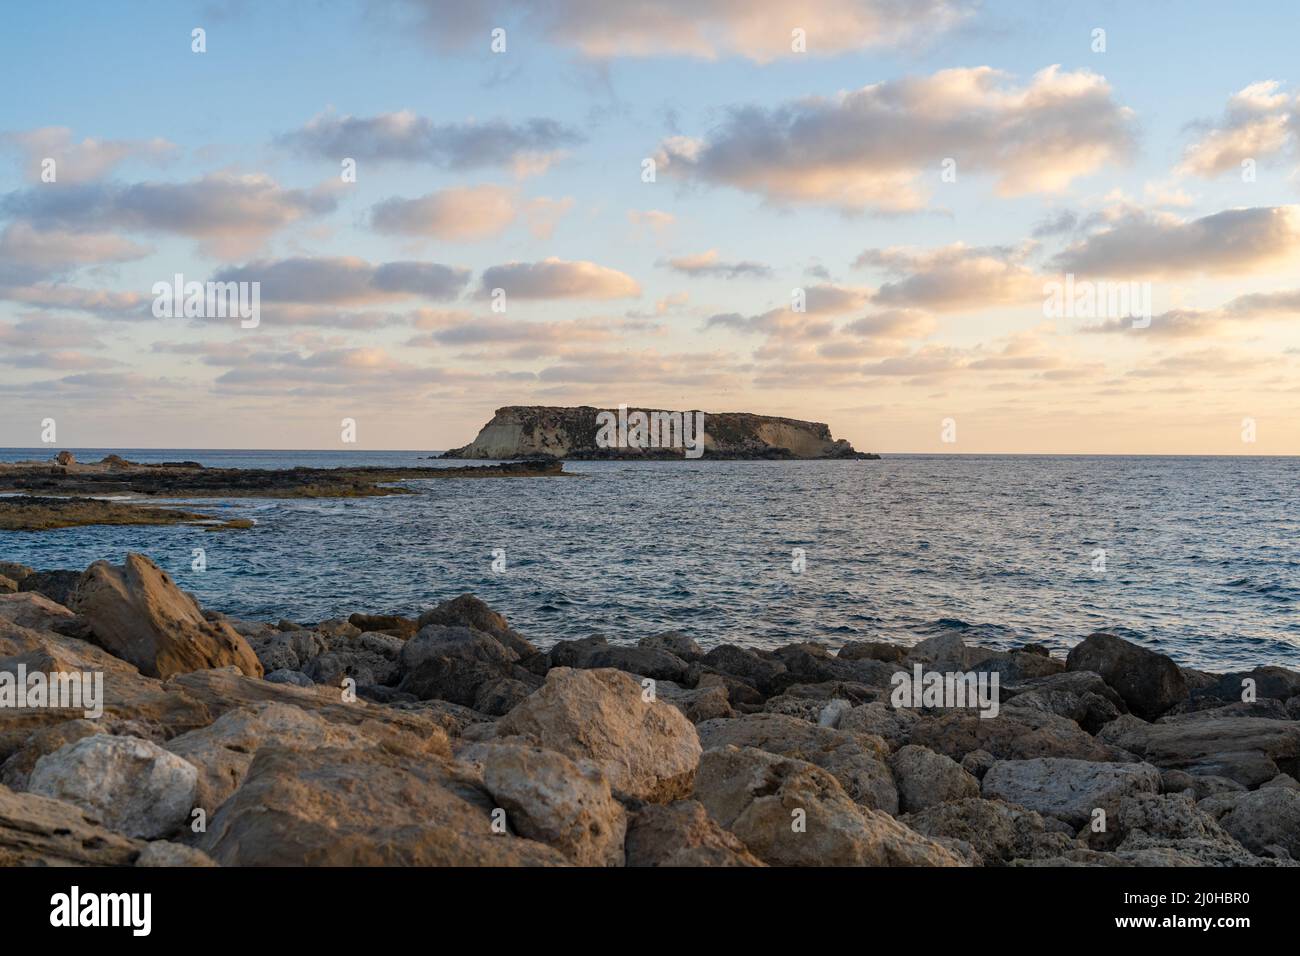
pixel 953 277
pixel 893 324
pixel 757 29
pixel 348 280
pixel 874 147
pixel 557 279
pixel 28 254
pixel 48 332
pixel 229 215
pixel 104 303
pixel 462 213
pixel 709 264
pixel 656 219
pixel 528 147
pixel 534 338
pixel 1141 243
pixel 83 162
pixel 1259 122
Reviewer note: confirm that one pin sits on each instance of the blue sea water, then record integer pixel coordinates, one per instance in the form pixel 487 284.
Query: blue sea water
pixel 1202 555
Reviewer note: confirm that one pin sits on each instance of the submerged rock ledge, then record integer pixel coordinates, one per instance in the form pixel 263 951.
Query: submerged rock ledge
pixel 448 738
pixel 531 431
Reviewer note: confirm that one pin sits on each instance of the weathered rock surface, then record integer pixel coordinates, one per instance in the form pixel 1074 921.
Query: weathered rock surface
pixel 648 750
pixel 925 778
pixel 37 830
pixel 683 834
pixel 856 761
pixel 999 832
pixel 1150 683
pixel 136 612
pixel 792 813
pixel 1012 735
pixel 595 652
pixel 1264 819
pixel 345 807
pixel 1070 790
pixel 469 611
pixel 547 797
pixel 134 786
pixel 1249 750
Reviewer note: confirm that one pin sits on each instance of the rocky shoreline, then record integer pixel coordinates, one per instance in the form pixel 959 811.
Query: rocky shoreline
pixel 447 738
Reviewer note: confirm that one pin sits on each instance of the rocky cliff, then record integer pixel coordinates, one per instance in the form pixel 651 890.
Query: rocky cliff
pixel 584 432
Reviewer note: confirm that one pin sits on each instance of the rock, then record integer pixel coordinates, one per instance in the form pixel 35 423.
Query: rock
pixel 1167 817
pixel 745 665
pixel 648 750
pixel 1081 696
pixel 675 643
pixel 223 752
pixel 1249 750
pixel 1067 789
pixel 1276 683
pixel 977 763
pixel 891 724
pixel 40 831
pixel 8 585
pixel 792 813
pixel 137 613
pixel 348 807
pixel 812 663
pixel 288 650
pixel 1282 780
pixel 14 571
pixel 699 704
pixel 595 652
pixel 34 611
pixel 739 693
pixel 831 715
pixel 1201 785
pixel 873 651
pixel 16 771
pixel 999 832
pixel 683 834
pixel 925 778
pixel 134 786
pixel 547 797
pixel 500 696
pixel 856 761
pixel 369 659
pixel 65 458
pixel 337 629
pixel 452 663
pixel 403 628
pixel 163 853
pixel 1014 735
pixel 58 586
pixel 469 611
pixel 1266 818
pixel 285 676
pixel 1149 683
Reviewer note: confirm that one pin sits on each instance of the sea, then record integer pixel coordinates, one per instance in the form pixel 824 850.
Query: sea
pixel 1196 557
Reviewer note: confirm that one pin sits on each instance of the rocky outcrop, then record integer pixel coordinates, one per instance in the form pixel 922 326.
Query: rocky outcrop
pixel 41 831
pixel 530 431
pixel 1150 683
pixel 1070 790
pixel 136 612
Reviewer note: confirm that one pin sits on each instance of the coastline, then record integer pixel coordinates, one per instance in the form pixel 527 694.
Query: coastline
pixel 595 753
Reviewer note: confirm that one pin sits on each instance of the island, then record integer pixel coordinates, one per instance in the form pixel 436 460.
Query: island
pixel 537 431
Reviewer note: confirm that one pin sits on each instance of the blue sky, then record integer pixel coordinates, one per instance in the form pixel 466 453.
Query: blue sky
pixel 982 353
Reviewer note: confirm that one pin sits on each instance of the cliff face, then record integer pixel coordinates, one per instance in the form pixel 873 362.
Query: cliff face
pixel 584 432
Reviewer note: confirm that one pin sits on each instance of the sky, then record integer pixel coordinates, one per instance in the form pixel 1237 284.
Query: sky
pixel 849 211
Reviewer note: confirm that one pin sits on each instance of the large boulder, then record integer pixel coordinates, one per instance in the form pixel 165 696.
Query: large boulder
pixel 925 778
pixel 999 832
pixel 1012 735
pixel 1150 683
pixel 1249 750
pixel 452 662
pixel 469 611
pixel 1266 819
pixel 647 748
pixel 1069 790
pixel 792 813
pixel 892 724
pixel 136 612
pixel 743 664
pixel 856 761
pixel 34 611
pixel 547 797
pixel 350 807
pixel 1081 696
pixel 683 834
pixel 223 751
pixel 40 831
pixel 132 785
pixel 1277 683
pixel 595 652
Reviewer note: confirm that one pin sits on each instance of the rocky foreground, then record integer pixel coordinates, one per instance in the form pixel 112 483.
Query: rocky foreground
pixel 450 739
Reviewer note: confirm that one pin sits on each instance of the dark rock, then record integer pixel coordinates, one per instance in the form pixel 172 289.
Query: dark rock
pixel 469 611
pixel 59 586
pixel 744 664
pixel 593 652
pixel 1150 683
pixel 403 627
pixel 675 643
pixel 1277 683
